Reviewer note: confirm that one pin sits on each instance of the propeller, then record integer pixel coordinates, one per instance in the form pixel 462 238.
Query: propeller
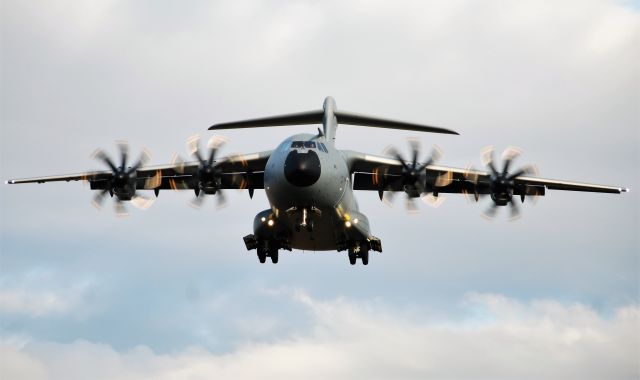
pixel 412 178
pixel 502 183
pixel 122 182
pixel 208 177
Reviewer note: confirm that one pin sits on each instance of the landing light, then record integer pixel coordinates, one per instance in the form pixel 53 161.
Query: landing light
pixel 270 222
pixel 355 221
pixel 263 219
pixel 347 224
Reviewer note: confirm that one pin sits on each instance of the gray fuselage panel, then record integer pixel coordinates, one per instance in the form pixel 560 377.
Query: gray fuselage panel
pixel 324 193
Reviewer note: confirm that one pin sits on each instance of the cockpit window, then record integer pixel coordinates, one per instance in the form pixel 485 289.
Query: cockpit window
pixel 303 144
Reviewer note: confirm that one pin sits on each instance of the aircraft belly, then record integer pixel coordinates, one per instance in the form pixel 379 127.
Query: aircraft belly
pixel 328 231
pixel 322 238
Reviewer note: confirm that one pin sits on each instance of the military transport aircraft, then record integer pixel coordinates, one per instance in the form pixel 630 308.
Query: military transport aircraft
pixel 309 183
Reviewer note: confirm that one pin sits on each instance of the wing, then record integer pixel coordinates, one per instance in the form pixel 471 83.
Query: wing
pixel 372 172
pixel 237 172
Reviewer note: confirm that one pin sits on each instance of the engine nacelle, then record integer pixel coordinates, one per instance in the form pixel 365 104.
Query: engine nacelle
pixel 209 180
pixel 502 198
pixel 125 191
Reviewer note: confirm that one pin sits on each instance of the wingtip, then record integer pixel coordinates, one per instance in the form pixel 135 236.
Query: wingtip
pixel 625 190
pixel 449 131
pixel 9 181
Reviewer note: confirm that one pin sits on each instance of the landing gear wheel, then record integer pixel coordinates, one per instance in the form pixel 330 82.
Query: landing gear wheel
pixel 352 257
pixel 274 256
pixel 262 255
pixel 365 256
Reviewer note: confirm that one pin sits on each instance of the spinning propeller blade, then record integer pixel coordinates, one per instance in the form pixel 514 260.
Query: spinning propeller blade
pixel 207 179
pixel 413 176
pixel 122 182
pixel 502 183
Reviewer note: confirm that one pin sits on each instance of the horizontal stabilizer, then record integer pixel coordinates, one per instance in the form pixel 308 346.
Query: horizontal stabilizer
pixel 369 121
pixel 316 117
pixel 310 117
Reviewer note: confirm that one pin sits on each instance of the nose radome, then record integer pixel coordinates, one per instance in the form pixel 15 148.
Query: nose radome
pixel 302 169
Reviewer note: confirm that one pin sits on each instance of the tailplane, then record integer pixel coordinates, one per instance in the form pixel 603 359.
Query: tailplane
pixel 330 117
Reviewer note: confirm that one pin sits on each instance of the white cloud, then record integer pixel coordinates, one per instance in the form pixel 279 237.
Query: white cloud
pixel 557 78
pixel 22 301
pixel 41 293
pixel 495 337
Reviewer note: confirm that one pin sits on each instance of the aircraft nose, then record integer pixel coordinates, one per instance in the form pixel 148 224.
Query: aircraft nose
pixel 302 169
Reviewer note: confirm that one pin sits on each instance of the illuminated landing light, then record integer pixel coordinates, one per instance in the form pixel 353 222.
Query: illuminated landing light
pixel 270 222
pixel 355 221
pixel 263 219
pixel 347 224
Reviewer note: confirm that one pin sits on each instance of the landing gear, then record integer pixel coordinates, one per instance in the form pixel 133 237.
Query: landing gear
pixel 264 250
pixel 352 257
pixel 262 254
pixel 304 218
pixel 359 251
pixel 364 255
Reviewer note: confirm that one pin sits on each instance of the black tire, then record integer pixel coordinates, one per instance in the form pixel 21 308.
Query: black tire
pixel 365 257
pixel 274 256
pixel 352 257
pixel 262 255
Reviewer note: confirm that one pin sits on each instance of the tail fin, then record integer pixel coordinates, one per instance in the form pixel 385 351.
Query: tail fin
pixel 330 117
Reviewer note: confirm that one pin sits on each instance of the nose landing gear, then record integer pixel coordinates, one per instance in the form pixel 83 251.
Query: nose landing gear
pixel 304 220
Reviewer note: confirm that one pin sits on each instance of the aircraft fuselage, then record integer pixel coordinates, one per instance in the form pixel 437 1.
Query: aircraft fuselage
pixel 308 185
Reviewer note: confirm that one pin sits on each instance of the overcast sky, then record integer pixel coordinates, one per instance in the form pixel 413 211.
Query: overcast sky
pixel 171 292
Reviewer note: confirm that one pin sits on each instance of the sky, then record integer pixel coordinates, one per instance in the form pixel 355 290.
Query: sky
pixel 172 293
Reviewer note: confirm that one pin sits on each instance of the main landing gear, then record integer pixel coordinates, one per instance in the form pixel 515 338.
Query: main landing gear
pixel 266 248
pixel 359 251
pixel 264 251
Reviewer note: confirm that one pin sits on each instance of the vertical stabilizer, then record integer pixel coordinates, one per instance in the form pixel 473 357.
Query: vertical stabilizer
pixel 329 119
